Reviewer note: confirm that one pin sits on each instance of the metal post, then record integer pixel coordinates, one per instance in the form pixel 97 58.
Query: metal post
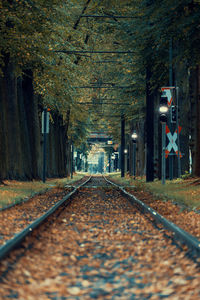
pixel 177 128
pixel 116 162
pixel 109 163
pixel 134 159
pixel 44 145
pixel 72 158
pixel 163 152
pixel 125 162
pixel 170 62
pixel 122 144
pixel 171 175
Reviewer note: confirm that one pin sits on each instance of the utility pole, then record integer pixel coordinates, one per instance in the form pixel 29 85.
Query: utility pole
pixel 171 159
pixel 163 152
pixel 72 159
pixel 109 162
pixel 122 144
pixel 44 144
pixel 134 137
pixel 45 131
pixel 163 110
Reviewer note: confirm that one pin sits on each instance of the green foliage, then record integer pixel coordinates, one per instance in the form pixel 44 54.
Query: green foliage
pixel 31 33
pixel 186 175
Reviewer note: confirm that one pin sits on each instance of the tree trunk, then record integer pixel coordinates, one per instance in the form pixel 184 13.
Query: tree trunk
pixel 149 128
pixel 24 133
pixel 57 141
pixel 33 124
pixel 12 137
pixel 195 119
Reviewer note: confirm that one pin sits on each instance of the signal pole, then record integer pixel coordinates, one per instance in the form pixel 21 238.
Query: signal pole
pixel 171 164
pixel 45 131
pixel 122 144
pixel 163 110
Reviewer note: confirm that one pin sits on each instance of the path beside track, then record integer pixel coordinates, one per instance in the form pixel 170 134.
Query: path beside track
pixel 14 219
pixel 100 247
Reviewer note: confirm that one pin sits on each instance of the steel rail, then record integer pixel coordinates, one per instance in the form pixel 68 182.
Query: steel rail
pixel 102 87
pixel 192 242
pixel 93 52
pixel 106 61
pixel 102 103
pixel 19 237
pixel 113 99
pixel 108 16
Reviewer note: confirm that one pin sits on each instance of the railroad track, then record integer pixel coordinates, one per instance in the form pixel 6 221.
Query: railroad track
pixel 179 234
pixel 98 246
pixel 19 237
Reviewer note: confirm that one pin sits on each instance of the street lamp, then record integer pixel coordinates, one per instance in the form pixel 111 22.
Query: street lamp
pixel 72 159
pixel 134 137
pixel 125 162
pixel 112 161
pixel 109 142
pixel 163 110
pixel 116 160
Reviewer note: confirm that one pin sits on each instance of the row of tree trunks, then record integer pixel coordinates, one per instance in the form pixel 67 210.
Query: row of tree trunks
pixel 21 140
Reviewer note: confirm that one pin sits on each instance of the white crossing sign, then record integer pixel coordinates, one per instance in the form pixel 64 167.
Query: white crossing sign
pixel 172 142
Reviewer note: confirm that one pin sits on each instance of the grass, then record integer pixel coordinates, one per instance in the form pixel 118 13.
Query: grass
pixel 16 191
pixel 183 191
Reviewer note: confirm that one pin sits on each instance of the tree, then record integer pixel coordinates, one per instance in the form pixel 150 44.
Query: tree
pixel 33 40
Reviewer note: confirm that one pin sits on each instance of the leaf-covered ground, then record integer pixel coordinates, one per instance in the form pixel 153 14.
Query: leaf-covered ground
pixel 182 216
pixel 17 217
pixel 13 191
pixel 185 192
pixel 100 247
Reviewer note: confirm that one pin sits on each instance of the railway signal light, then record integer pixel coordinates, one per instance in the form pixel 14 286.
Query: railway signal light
pixel 163 108
pixel 134 136
pixel 173 114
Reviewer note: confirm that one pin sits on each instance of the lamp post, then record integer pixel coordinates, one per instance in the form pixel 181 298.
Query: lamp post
pixel 125 158
pixel 109 163
pixel 109 142
pixel 134 137
pixel 45 131
pixel 72 160
pixel 122 156
pixel 113 160
pixel 116 160
pixel 163 110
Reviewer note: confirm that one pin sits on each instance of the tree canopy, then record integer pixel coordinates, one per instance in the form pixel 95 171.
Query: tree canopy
pixel 35 33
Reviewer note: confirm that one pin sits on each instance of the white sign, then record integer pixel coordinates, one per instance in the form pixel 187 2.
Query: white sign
pixel 172 142
pixel 169 94
pixel 47 122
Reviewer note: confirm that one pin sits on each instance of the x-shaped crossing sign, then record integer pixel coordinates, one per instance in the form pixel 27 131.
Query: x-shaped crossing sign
pixel 172 142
